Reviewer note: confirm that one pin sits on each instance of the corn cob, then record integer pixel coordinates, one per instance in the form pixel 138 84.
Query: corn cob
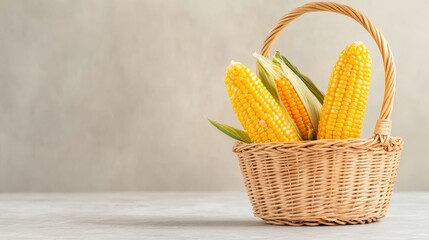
pixel 294 106
pixel 260 115
pixel 344 105
pixel 296 97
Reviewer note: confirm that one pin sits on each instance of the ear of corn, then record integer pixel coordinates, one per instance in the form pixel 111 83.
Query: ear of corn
pixel 309 114
pixel 344 105
pixel 260 115
pixel 267 74
pixel 297 99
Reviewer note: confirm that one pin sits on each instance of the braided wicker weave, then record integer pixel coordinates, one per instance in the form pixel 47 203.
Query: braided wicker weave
pixel 325 182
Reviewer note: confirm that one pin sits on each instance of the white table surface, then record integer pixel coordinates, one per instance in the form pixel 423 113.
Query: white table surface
pixel 171 215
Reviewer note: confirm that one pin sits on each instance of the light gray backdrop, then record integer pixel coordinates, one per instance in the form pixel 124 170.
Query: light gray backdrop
pixel 114 95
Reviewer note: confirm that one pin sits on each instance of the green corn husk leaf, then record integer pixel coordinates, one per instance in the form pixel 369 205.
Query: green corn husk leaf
pixel 267 73
pixel 307 81
pixel 235 133
pixel 310 101
pixel 266 76
pixel 311 134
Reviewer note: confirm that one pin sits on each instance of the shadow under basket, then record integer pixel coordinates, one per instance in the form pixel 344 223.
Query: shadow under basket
pixel 325 182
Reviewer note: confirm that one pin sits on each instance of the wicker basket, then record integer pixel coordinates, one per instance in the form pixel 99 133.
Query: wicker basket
pixel 325 182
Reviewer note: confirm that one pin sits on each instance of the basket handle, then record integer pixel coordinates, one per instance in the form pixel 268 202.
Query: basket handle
pixel 383 125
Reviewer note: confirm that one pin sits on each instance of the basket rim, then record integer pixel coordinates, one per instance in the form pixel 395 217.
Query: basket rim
pixel 389 144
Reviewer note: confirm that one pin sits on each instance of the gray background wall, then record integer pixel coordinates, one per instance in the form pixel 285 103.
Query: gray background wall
pixel 114 95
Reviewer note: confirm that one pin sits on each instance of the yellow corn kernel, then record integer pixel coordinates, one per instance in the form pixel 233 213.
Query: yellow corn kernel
pixel 344 106
pixel 294 106
pixel 260 115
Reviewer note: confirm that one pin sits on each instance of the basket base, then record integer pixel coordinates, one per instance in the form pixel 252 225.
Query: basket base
pixel 320 222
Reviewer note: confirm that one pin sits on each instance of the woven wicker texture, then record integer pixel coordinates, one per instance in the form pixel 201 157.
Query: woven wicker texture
pixel 325 182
